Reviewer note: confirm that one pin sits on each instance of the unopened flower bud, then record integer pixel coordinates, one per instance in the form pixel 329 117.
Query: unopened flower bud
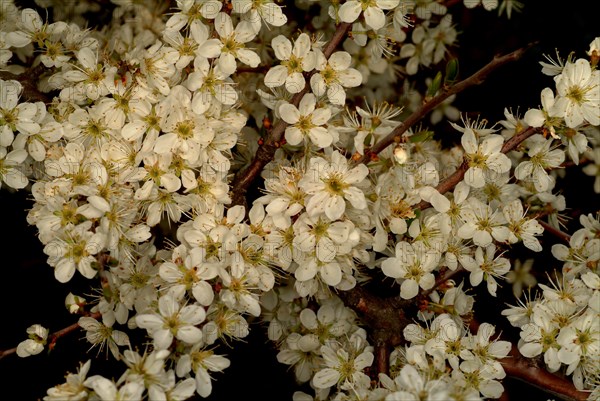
pixel 400 154
pixel 74 303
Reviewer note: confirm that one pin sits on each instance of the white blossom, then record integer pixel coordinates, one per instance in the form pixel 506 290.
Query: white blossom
pixel 173 320
pixel 35 343
pixel 413 263
pixel 306 122
pixel 294 61
pixel 371 10
pixel 331 183
pixel 484 158
pixel 578 94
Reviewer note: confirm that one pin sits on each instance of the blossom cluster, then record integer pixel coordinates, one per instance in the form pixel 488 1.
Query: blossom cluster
pixel 136 133
pixel 561 322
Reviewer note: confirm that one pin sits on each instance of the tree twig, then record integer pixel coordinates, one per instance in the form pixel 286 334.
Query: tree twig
pixel 385 316
pixel 52 338
pixel 557 233
pixel 27 79
pixel 242 180
pixel 459 174
pixel 475 79
pixel 525 369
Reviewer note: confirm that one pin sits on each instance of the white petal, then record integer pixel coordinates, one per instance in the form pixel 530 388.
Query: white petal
pixel 293 136
pixel 331 274
pixel 321 116
pixel 340 61
pixel 189 334
pixel 374 17
pixel 349 11
pixel 534 118
pixel 307 104
pixel 301 45
pixel 317 84
pixel 469 141
pixel 356 198
pixel 210 49
pixel 306 271
pixel 289 113
pixel 326 378
pixel 475 177
pixel 321 137
pixel 391 268
pixel 14 178
pixel 227 63
pixel 336 94
pixel 162 338
pixel 276 76
pixel 223 25
pixel 248 57
pixel 350 78
pixel 64 270
pixel 149 322
pixel 165 143
pixel 294 83
pixel 409 289
pixel 335 207
pixel 282 47
pixel 87 58
pixel 133 130
pixel 210 8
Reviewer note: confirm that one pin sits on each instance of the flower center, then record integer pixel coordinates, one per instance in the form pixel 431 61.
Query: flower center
pixel 402 210
pixel 185 129
pixel 305 124
pixel 329 75
pixel 477 160
pixel 335 186
pixel 230 45
pixel 320 229
pixel 294 64
pixel 576 94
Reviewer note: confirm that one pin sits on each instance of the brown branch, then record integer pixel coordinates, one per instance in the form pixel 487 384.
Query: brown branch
pixel 475 79
pixel 7 352
pixel 242 180
pixel 52 338
pixel 385 316
pixel 459 174
pixel 28 80
pixel 526 370
pixel 557 233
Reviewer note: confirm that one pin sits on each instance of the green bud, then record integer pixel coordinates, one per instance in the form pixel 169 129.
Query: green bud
pixel 451 72
pixel 435 85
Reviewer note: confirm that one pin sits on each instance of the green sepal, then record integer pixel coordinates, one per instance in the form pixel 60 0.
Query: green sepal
pixel 421 136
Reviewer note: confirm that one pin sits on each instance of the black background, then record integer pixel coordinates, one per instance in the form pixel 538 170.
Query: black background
pixel 30 294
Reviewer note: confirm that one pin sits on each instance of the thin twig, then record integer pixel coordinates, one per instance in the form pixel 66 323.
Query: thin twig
pixel 557 233
pixel 475 79
pixel 242 180
pixel 52 338
pixel 459 174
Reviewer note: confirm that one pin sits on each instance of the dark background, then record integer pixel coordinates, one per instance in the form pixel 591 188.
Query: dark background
pixel 30 294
